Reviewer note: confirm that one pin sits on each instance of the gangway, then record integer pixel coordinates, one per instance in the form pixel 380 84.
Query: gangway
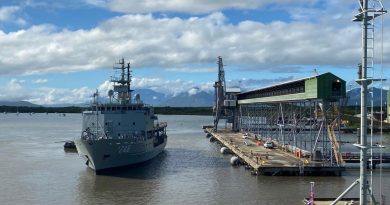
pixel 335 143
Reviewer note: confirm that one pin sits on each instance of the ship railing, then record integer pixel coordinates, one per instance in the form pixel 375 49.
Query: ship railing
pixel 132 138
pixel 109 107
pixel 161 125
pixel 88 135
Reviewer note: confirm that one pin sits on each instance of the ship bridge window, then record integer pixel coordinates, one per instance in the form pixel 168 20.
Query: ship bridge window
pixel 133 123
pixel 119 123
pixel 105 123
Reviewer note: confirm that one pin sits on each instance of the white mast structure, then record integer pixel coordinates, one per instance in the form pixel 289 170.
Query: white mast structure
pixel 122 84
pixel 366 15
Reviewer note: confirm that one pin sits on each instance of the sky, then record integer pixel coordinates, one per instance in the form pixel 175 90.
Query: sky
pixel 60 51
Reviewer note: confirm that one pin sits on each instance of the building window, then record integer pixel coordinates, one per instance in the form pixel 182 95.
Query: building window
pixel 336 88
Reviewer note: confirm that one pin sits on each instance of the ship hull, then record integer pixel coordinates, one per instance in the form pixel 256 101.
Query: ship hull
pixel 113 153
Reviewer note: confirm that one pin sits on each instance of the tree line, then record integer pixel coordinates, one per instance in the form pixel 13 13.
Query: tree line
pixel 74 109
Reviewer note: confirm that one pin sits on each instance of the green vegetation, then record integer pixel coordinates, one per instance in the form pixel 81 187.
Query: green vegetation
pixel 184 110
pixel 14 109
pixel 354 121
pixel 158 110
pixel 348 112
pixel 353 110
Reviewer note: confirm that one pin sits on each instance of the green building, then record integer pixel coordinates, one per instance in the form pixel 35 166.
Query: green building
pixel 325 86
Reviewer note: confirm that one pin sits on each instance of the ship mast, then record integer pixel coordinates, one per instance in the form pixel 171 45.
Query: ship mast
pixel 366 15
pixel 123 83
pixel 363 185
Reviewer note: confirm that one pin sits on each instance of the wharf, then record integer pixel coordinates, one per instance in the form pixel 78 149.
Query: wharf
pixel 270 161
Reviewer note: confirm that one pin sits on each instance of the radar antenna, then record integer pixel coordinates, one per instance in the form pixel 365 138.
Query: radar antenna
pixel 122 84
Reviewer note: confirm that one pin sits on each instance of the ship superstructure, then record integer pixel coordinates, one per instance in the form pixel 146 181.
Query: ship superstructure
pixel 121 131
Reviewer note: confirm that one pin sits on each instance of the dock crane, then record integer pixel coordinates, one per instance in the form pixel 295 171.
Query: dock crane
pixel 219 92
pixel 226 106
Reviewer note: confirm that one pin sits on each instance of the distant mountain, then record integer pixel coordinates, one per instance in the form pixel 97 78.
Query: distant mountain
pixel 185 99
pixel 147 96
pixel 193 98
pixel 150 97
pixel 86 104
pixel 18 104
pixel 354 97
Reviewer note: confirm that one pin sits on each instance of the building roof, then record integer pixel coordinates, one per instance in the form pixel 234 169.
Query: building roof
pixel 291 81
pixel 233 90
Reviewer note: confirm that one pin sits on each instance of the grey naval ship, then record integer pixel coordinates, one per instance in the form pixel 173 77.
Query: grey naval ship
pixel 121 131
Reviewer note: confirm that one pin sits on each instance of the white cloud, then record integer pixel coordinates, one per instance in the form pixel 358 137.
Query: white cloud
pixel 15 90
pixel 193 91
pixel 249 84
pixel 14 85
pixel 100 3
pixel 105 87
pixel 186 45
pixel 192 70
pixel 170 87
pixel 188 6
pixel 9 14
pixel 47 96
pixel 40 81
pixel 180 43
pixel 58 4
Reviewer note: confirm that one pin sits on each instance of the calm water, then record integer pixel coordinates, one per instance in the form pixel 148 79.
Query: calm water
pixel 34 169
